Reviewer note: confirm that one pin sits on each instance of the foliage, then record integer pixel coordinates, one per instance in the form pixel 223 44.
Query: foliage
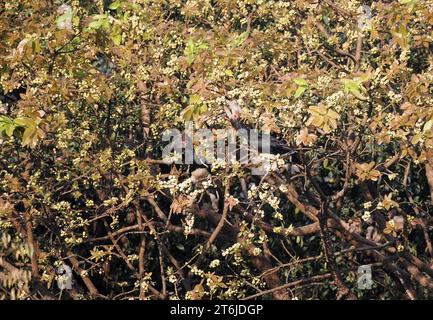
pixel 87 89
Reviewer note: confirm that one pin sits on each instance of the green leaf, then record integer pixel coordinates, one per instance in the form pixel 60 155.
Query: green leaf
pixel 228 73
pixel 188 113
pixel 5 120
pixel 76 21
pixel 192 49
pixel 99 21
pixel 202 109
pixel 10 130
pixel 407 1
pixel 195 99
pixel 402 30
pixel 95 24
pixel 300 82
pixel 302 86
pixel 7 126
pixel 28 136
pixel 326 20
pixel 117 39
pixel 240 39
pixel 300 91
pixel 126 16
pixel 416 138
pixel 116 4
pixel 24 122
pixel 325 164
pixel 354 88
pixel 189 51
pixel 36 46
pixel 195 108
pixel 32 133
pixel 350 85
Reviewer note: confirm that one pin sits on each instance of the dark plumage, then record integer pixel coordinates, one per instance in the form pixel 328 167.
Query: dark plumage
pixel 233 112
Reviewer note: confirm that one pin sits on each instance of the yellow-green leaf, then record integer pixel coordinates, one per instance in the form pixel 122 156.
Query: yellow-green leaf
pixel 195 99
pixel 300 82
pixel 428 126
pixel 116 4
pixel 117 39
pixel 300 91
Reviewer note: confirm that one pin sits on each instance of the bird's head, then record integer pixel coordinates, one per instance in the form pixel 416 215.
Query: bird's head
pixel 233 111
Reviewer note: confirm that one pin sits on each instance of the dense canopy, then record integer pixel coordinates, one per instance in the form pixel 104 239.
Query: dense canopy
pixel 88 88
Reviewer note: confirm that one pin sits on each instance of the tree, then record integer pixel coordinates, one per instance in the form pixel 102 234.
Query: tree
pixel 88 88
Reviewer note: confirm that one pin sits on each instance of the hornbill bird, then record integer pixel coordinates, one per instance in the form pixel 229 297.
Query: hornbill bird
pixel 233 112
pixel 200 171
pixel 277 146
